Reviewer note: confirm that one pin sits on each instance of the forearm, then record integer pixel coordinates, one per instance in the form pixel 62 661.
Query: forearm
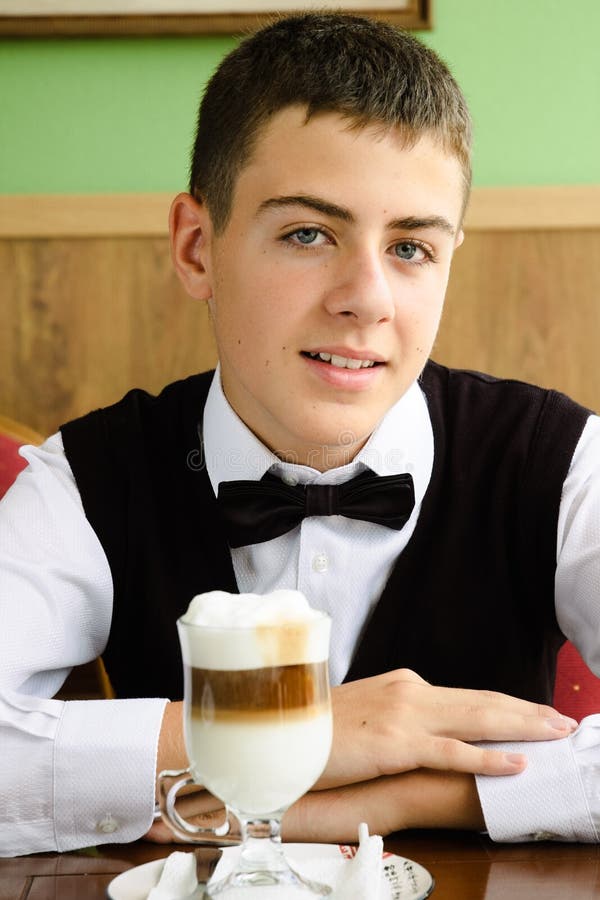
pixel 420 799
pixel 438 800
pixel 171 753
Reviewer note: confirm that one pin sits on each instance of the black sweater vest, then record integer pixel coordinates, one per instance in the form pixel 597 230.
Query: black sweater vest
pixel 470 601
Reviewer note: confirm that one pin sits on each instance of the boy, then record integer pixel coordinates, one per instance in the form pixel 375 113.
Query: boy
pixel 329 182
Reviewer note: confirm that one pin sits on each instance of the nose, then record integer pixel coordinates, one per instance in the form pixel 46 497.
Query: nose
pixel 361 289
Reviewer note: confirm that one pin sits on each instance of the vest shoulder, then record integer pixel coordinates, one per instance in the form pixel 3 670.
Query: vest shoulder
pixel 138 402
pixel 471 391
pixel 482 421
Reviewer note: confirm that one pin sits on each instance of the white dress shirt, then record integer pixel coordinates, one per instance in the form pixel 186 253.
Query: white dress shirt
pixel 340 564
pixel 79 773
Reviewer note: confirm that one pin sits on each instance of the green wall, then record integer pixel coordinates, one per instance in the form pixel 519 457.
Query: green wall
pixel 112 115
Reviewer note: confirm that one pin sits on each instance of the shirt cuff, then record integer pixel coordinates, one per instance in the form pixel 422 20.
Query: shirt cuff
pixel 105 771
pixel 545 802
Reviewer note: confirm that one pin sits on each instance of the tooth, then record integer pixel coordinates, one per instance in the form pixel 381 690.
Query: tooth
pixel 367 363
pixel 339 361
pixel 326 357
pixel 353 363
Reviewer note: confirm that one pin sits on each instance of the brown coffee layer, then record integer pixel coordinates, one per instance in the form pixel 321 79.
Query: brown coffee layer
pixel 255 690
pixel 255 717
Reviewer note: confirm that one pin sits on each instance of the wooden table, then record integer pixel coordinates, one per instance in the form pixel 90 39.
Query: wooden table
pixel 465 867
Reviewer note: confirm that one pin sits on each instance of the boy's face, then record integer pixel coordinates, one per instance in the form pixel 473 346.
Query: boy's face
pixel 336 255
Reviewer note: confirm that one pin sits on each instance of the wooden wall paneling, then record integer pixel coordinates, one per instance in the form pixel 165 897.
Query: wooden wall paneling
pixel 176 339
pixel 87 319
pixel 527 305
pixel 84 215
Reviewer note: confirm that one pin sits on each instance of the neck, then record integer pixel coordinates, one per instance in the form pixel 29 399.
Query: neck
pixel 321 457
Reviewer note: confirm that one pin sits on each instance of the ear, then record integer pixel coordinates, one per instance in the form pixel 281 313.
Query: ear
pixel 190 230
pixel 459 239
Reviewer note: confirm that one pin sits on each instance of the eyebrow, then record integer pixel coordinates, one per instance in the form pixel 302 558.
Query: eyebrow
pixel 409 223
pixel 322 206
pixel 412 223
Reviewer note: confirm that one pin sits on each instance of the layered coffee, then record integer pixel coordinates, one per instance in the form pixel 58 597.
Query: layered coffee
pixel 288 691
pixel 258 718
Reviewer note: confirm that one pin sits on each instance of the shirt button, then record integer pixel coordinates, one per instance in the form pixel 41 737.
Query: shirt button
pixel 107 825
pixel 320 562
pixel 289 479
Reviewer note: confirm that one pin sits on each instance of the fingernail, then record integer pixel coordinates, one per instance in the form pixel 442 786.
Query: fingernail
pixel 516 760
pixel 561 724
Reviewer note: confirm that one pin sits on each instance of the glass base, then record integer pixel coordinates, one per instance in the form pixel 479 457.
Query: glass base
pixel 287 881
pixel 262 864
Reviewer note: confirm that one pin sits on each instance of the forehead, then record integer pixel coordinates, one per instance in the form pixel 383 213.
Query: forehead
pixel 331 156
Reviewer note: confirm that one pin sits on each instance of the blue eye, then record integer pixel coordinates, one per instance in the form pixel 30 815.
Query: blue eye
pixel 405 250
pixel 307 235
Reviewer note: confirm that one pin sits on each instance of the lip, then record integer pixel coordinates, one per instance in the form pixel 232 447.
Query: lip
pixel 344 379
pixel 348 353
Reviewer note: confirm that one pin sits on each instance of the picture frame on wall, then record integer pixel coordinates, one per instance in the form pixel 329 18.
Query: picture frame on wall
pixel 45 18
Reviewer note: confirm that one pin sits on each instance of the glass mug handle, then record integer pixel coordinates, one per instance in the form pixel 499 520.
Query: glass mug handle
pixel 170 782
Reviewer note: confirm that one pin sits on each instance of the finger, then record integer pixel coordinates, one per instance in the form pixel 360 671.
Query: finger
pixel 497 700
pixel 455 756
pixel 160 834
pixel 482 723
pixel 202 803
pixel 198 808
pixel 440 704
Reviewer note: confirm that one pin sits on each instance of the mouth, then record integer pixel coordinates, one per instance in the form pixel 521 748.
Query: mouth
pixel 341 362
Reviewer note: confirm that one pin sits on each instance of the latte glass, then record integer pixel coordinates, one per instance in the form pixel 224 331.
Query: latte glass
pixel 258 730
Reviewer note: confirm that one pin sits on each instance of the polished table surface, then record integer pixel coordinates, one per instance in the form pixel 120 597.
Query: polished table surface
pixel 465 867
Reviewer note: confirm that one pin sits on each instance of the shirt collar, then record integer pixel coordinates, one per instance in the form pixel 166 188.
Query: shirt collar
pixel 402 442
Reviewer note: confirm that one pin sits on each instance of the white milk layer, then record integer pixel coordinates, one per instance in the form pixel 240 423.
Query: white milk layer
pixel 259 768
pixel 250 631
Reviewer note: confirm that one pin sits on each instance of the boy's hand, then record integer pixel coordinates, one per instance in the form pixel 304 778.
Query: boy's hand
pixel 199 808
pixel 422 799
pixel 397 722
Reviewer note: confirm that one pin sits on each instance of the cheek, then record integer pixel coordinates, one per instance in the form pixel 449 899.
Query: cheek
pixel 430 298
pixel 417 326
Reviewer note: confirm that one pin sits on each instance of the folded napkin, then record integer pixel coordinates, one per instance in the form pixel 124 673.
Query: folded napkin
pixel 352 874
pixel 178 878
pixel 361 878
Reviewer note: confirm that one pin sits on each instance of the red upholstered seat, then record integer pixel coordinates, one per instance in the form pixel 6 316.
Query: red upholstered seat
pixel 577 689
pixel 12 436
pixel 10 462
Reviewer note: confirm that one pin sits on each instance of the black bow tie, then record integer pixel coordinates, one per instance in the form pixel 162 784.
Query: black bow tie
pixel 257 511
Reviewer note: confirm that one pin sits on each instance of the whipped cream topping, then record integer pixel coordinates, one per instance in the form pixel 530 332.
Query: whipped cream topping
pixel 251 631
pixel 223 610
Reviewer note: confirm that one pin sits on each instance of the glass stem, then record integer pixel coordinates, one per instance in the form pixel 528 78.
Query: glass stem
pixel 261 845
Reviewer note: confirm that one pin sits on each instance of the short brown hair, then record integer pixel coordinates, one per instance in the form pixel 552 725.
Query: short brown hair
pixel 366 70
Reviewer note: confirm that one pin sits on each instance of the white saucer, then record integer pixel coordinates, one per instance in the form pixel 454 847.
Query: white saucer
pixel 402 879
pixel 136 884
